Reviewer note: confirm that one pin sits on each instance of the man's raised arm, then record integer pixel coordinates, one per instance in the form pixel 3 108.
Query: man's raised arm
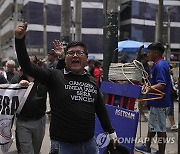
pixel 23 57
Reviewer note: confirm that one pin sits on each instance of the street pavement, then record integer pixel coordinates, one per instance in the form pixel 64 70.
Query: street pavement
pixel 171 148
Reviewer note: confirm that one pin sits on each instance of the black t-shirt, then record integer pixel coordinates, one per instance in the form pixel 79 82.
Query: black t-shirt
pixel 61 64
pixel 76 99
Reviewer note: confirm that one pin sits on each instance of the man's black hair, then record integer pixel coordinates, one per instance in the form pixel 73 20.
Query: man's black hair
pixel 76 43
pixel 97 63
pixel 143 55
pixel 52 53
pixel 90 60
pixel 156 46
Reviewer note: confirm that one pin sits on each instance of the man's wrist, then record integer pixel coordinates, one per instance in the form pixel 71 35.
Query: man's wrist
pixel 113 136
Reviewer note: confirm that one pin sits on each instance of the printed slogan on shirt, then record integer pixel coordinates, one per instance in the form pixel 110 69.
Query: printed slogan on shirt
pixel 83 91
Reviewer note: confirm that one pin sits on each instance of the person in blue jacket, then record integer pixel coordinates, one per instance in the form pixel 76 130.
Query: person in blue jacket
pixel 160 80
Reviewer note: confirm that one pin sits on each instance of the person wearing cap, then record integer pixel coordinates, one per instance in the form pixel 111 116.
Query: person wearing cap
pixel 159 79
pixel 75 95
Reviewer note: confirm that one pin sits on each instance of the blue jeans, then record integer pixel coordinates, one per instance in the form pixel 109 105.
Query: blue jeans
pixel 88 147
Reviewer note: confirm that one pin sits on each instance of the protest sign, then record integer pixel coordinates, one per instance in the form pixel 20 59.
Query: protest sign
pixel 124 122
pixel 12 98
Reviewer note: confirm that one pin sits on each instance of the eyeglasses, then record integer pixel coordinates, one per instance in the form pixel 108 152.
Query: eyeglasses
pixel 78 53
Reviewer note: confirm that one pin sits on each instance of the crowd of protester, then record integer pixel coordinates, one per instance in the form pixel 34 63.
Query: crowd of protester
pixel 35 120
pixel 12 73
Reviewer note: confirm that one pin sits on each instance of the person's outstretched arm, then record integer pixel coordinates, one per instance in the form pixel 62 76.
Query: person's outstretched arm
pixel 23 57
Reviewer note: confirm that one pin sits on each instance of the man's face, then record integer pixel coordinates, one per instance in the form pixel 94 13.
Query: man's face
pixel 76 59
pixel 51 58
pixel 152 55
pixel 10 68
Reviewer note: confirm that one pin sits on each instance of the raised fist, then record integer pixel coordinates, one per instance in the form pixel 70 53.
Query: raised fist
pixel 20 30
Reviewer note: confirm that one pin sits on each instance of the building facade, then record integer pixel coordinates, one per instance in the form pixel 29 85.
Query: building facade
pixel 136 22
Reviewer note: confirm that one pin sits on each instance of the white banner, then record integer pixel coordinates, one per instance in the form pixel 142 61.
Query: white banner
pixel 12 99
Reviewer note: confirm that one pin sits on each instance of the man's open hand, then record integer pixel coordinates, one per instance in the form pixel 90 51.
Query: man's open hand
pixel 58 48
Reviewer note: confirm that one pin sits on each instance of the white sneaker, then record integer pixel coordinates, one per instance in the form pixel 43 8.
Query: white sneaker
pixel 174 127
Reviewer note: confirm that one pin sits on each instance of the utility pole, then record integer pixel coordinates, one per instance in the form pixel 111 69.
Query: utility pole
pixel 156 26
pixel 179 118
pixel 15 16
pixel 78 19
pixel 45 28
pixel 73 23
pixel 168 50
pixel 168 9
pixel 0 43
pixel 159 22
pixel 110 34
pixel 65 20
pixel 15 13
